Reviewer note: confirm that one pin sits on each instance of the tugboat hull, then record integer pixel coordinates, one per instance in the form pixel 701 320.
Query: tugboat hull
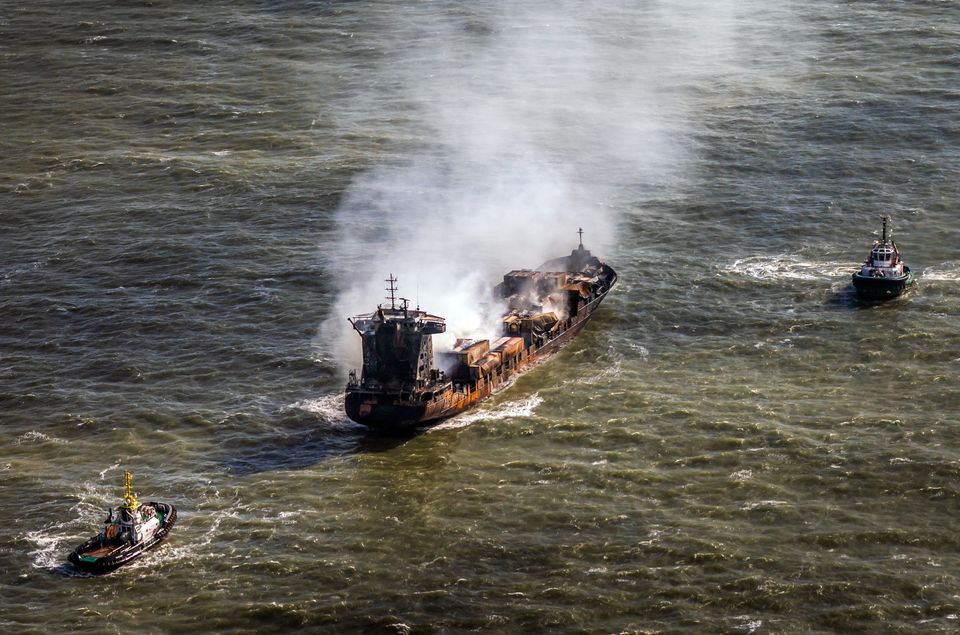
pixel 882 288
pixel 99 556
pixel 883 275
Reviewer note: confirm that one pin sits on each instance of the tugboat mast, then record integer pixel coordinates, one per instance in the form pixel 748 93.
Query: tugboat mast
pixel 886 219
pixel 130 502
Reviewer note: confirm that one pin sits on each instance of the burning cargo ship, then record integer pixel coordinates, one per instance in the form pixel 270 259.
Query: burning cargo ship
pixel 403 384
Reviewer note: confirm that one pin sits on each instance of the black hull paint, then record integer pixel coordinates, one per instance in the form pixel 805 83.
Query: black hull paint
pixel 390 412
pixel 877 288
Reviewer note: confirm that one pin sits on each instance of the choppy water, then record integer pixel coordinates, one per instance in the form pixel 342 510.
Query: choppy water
pixel 193 196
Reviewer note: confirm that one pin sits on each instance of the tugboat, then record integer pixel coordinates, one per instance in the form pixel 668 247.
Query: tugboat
pixel 883 274
pixel 126 535
pixel 403 385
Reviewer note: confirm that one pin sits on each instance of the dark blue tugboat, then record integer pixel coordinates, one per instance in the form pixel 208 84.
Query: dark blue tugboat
pixel 127 535
pixel 883 274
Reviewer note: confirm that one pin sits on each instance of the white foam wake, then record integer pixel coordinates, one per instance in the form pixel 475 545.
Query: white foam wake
pixel 788 267
pixel 37 437
pixel 191 549
pixel 53 542
pixel 328 407
pixel 944 272
pixel 109 469
pixel 508 409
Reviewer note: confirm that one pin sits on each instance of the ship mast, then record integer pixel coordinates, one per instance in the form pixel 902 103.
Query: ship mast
pixel 580 233
pixel 886 219
pixel 393 291
pixel 130 502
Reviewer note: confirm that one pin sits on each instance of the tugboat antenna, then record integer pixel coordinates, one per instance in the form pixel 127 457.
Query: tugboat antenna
pixel 580 233
pixel 393 290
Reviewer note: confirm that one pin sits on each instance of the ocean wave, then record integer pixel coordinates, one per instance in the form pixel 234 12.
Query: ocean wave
pixel 37 437
pixel 764 505
pixel 109 469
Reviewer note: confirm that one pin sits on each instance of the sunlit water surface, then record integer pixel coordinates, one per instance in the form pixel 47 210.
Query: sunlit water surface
pixel 735 444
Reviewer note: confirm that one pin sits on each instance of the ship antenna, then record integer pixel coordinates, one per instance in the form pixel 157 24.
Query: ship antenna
pixel 886 219
pixel 393 290
pixel 129 498
pixel 580 233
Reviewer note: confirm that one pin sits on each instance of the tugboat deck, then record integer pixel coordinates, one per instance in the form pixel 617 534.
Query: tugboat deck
pixel 98 552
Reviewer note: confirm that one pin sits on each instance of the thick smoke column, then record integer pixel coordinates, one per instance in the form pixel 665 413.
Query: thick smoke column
pixel 516 125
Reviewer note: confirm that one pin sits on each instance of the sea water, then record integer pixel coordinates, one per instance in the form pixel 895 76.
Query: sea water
pixel 195 196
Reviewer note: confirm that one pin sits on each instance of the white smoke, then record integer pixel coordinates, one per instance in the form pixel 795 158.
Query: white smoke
pixel 510 126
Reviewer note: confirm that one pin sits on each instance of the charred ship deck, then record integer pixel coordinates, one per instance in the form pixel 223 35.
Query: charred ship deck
pixel 404 385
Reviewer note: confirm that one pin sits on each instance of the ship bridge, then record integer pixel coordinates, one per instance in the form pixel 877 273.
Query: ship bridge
pixel 397 347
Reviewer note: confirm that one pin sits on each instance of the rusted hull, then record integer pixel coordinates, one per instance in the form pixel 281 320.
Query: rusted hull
pixel 388 412
pixel 394 412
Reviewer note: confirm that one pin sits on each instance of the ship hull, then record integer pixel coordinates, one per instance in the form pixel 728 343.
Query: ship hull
pixel 384 410
pixel 881 288
pixel 394 412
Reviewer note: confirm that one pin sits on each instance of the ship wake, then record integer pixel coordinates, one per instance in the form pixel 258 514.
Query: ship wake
pixel 54 541
pixel 329 408
pixel 518 409
pixel 788 267
pixel 943 272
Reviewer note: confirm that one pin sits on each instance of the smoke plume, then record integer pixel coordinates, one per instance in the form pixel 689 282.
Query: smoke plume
pixel 507 126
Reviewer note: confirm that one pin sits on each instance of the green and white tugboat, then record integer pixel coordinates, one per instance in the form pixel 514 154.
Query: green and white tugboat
pixel 127 535
pixel 883 274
